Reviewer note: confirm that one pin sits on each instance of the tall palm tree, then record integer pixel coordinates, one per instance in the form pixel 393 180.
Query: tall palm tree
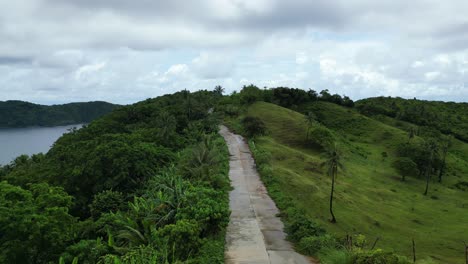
pixel 219 89
pixel 446 144
pixel 411 134
pixel 332 163
pixel 310 119
pixel 432 151
pixel 167 125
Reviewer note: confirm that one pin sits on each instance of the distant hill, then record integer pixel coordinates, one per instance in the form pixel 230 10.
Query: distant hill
pixel 25 114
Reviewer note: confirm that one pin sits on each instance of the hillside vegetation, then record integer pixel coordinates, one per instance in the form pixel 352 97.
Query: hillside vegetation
pixel 370 197
pixel 25 114
pixel 447 117
pixel 146 183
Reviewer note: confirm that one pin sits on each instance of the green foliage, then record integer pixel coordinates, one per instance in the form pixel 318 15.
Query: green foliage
pixel 203 206
pixel 250 94
pixel 378 257
pixel 406 167
pixel 161 152
pixel 35 225
pixel 212 251
pixel 446 117
pixel 321 136
pixel 138 255
pixel 86 251
pixel 335 256
pixel 311 245
pixel 183 235
pixel 253 126
pixel 107 201
pixel 23 114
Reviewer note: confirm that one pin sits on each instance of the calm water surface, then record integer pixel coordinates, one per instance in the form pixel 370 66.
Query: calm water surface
pixel 32 140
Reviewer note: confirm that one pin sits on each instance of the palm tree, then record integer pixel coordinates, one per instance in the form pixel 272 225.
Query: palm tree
pixel 310 119
pixel 411 134
pixel 167 125
pixel 446 144
pixel 219 89
pixel 432 151
pixel 333 163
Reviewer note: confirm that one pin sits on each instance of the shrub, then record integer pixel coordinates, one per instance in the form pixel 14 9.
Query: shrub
pixel 184 236
pixel 299 226
pixel 406 167
pixel 321 136
pixel 335 256
pixel 313 244
pixel 378 257
pixel 253 126
pixel 250 94
pixel 205 208
pixel 87 251
pixel 212 251
pixel 107 201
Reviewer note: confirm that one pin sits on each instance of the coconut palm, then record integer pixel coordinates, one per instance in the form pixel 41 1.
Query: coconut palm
pixel 167 125
pixel 446 144
pixel 219 90
pixel 332 163
pixel 310 119
pixel 432 151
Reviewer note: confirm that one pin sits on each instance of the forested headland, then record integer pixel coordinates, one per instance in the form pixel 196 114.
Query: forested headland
pixel 14 114
pixel 146 183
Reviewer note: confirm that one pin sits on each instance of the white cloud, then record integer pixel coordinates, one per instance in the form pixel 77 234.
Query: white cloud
pixel 63 50
pixel 301 58
pixel 213 65
pixel 85 70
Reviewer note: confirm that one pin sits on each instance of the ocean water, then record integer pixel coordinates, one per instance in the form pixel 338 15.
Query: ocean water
pixel 31 140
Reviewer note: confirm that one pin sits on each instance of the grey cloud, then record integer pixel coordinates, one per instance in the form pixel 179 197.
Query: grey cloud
pixel 15 60
pixel 44 43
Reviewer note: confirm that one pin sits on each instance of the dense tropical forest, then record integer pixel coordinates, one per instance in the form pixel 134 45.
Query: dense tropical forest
pixel 25 114
pixel 356 182
pixel 146 183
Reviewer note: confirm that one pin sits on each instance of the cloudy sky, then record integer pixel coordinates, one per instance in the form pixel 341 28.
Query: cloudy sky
pixel 122 51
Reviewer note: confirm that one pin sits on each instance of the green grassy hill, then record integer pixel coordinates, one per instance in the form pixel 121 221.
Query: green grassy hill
pixel 370 198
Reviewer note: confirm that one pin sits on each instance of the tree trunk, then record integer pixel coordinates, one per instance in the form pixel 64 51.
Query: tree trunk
pixel 414 251
pixel 442 170
pixel 427 181
pixel 466 252
pixel 333 220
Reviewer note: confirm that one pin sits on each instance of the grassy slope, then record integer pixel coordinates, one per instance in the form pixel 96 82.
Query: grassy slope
pixel 370 198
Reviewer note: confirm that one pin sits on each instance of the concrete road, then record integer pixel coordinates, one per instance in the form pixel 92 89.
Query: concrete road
pixel 255 234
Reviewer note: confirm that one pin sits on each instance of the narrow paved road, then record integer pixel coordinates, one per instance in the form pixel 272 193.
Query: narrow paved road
pixel 255 234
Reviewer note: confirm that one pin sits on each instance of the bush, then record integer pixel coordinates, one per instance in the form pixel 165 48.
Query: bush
pixel 107 201
pixel 313 244
pixel 299 226
pixel 378 257
pixel 212 251
pixel 321 136
pixel 205 207
pixel 250 94
pixel 406 167
pixel 184 236
pixel 87 251
pixel 253 126
pixel 335 256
